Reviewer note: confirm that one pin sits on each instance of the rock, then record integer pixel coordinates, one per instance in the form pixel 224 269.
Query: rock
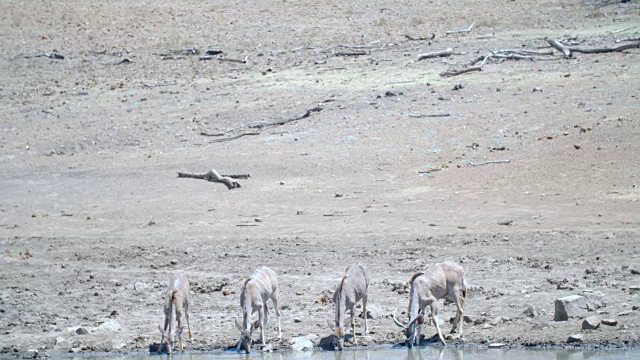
pixel 531 312
pixel 468 319
pixel 74 350
pixel 497 345
pixel 62 344
pixel 30 354
pixel 297 320
pixel 624 313
pixel 570 307
pixel 174 262
pixel 575 338
pixel 301 343
pixel 496 320
pixel 609 322
pixel 487 326
pixel 634 289
pixel 591 323
pixel 595 299
pixel 82 331
pixel 117 344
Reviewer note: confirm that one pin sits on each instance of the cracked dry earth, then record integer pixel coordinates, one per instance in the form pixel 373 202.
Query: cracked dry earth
pixel 93 218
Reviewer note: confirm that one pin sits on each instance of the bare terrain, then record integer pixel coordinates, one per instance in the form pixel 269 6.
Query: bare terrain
pixel 526 172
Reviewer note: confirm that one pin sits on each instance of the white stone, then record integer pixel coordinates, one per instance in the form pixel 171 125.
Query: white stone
pixel 570 307
pixel 301 343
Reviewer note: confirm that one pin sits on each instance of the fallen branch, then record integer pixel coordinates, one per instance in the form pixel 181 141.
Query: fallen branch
pixel 123 61
pixel 189 51
pixel 350 53
pixel 454 72
pixel 213 176
pixel 441 53
pixel 429 171
pixel 235 137
pixel 173 57
pixel 243 61
pixel 204 133
pixel 150 85
pixel 262 124
pixel 428 115
pixel 567 50
pixel 366 46
pixel 487 162
pixel 461 31
pixel 420 38
pixel 50 56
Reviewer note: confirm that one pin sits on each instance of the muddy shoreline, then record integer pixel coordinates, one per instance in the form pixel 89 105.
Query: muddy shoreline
pixel 524 172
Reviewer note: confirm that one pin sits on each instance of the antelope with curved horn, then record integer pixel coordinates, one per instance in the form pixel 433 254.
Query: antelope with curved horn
pixel 256 291
pixel 352 288
pixel 176 300
pixel 442 280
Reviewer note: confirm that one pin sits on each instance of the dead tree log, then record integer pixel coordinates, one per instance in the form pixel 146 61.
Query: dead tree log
pixel 213 176
pixel 568 50
pixel 441 53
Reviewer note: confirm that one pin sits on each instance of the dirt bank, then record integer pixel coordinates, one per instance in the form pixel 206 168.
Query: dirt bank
pixel 525 172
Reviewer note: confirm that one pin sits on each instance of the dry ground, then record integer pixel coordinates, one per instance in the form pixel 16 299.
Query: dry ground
pixel 93 218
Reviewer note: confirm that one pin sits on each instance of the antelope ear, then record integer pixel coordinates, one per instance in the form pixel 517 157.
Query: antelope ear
pixel 331 326
pixel 239 326
pixel 162 331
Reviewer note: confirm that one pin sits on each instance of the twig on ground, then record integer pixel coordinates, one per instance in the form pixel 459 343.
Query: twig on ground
pixel 213 176
pixel 461 31
pixel 481 37
pixel 441 53
pixel 173 57
pixel 428 115
pixel 486 162
pixel 235 136
pixel 454 72
pixel 189 51
pixel 420 38
pixel 123 61
pixel 158 84
pixel 306 114
pixel 567 50
pixel 366 46
pixel 429 171
pixel 204 133
pixel 351 53
pixel 55 56
pixel 243 61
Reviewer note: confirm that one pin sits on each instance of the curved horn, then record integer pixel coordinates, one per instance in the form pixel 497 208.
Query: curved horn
pixel 398 322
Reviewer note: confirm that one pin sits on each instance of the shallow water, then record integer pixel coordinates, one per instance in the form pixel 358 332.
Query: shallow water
pixel 408 354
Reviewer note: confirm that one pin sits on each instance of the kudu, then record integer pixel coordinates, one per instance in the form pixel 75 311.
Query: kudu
pixel 353 287
pixel 256 291
pixel 442 280
pixel 176 300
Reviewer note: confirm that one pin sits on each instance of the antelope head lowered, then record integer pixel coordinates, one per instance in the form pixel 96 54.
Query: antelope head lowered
pixel 256 291
pixel 176 300
pixel 353 288
pixel 442 280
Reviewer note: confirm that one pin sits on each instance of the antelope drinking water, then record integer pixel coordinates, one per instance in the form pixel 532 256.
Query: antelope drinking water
pixel 256 291
pixel 353 287
pixel 442 280
pixel 176 300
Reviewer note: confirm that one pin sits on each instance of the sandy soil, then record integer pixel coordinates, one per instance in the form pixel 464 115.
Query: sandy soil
pixel 93 218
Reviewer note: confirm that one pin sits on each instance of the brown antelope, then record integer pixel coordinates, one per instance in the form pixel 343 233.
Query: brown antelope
pixel 176 300
pixel 256 291
pixel 442 280
pixel 353 287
